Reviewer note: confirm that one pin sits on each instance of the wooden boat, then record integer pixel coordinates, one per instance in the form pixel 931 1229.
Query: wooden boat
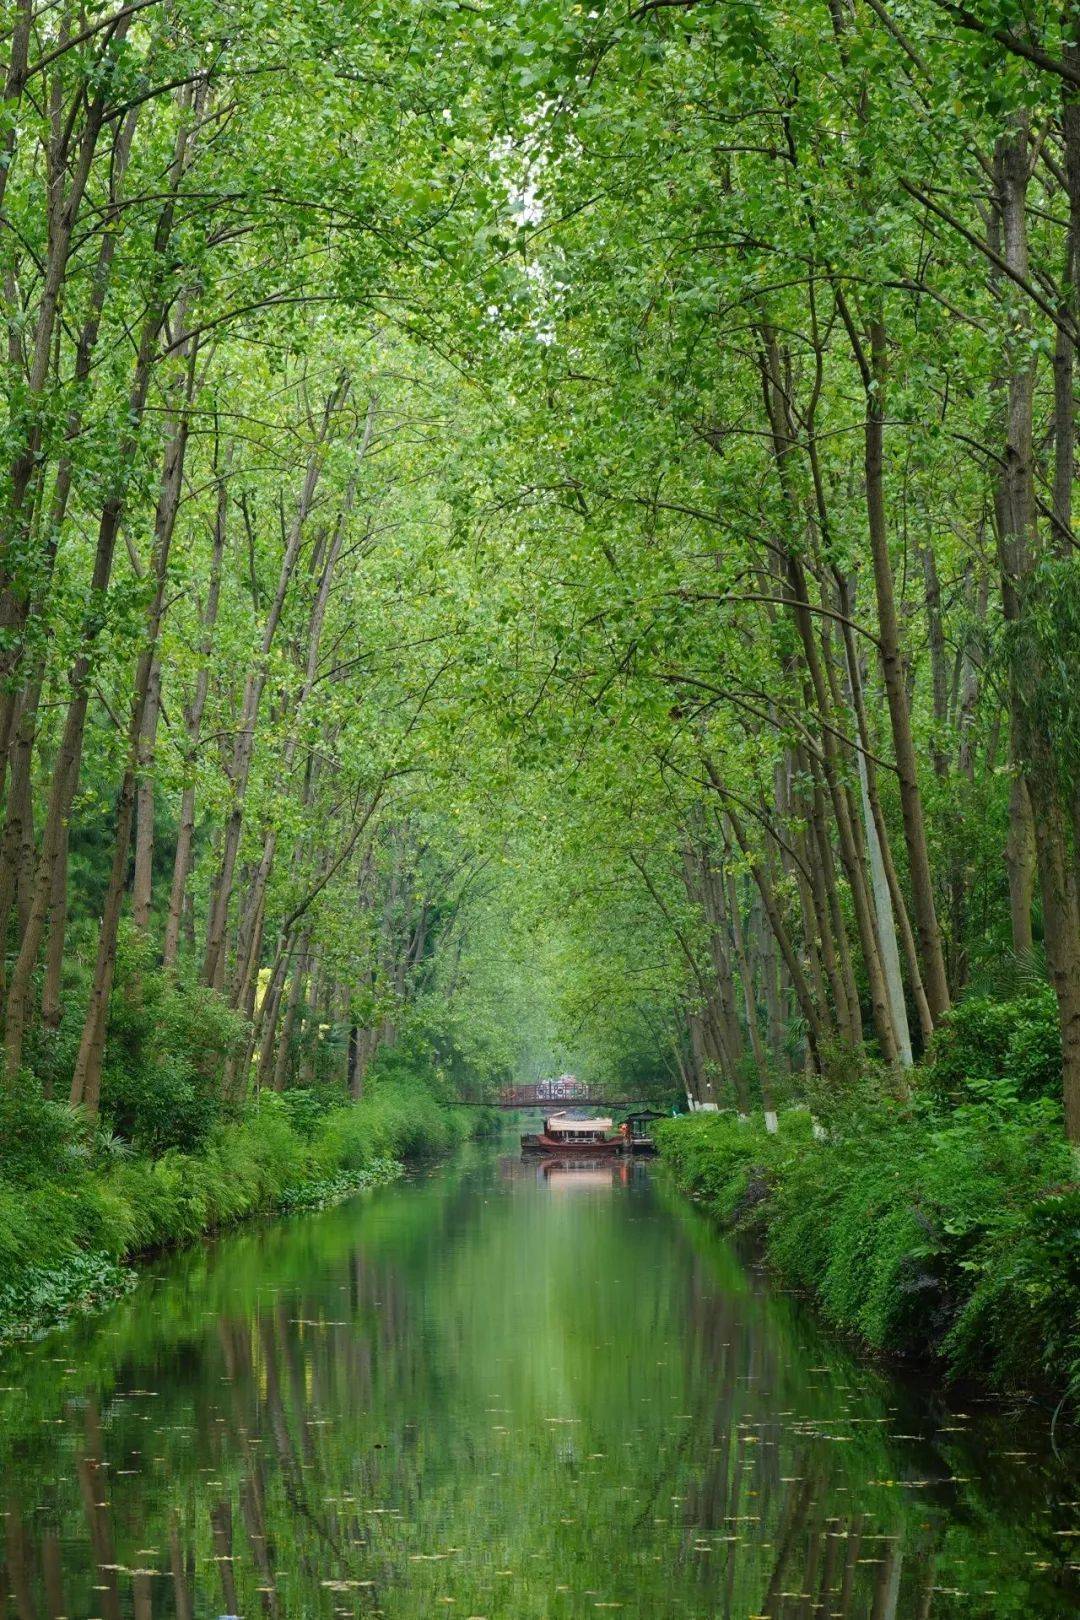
pixel 640 1127
pixel 575 1133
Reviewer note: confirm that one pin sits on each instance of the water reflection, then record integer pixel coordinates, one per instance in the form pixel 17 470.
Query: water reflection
pixel 503 1390
pixel 585 1174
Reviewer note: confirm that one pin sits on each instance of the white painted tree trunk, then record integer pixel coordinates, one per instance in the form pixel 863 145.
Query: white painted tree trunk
pixel 890 954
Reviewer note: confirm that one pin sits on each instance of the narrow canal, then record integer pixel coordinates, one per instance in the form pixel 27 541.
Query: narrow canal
pixel 503 1391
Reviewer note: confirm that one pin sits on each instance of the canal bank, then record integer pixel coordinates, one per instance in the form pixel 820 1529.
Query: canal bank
pixel 504 1390
pixel 950 1241
pixel 78 1211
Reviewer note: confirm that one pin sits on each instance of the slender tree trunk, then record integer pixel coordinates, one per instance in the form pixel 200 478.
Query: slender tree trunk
pixel 850 852
pixel 938 664
pixel 874 369
pixel 16 864
pixel 142 892
pixel 354 1076
pixel 849 1012
pixel 968 700
pixel 1018 541
pixel 66 773
pixel 52 1007
pixel 17 861
pixel 86 1078
pixel 722 1006
pixel 296 991
pixel 312 1021
pixel 66 187
pixel 236 1074
pixel 796 592
pixel 214 959
pixel 62 791
pixel 1020 865
pixel 746 982
pixel 892 662
pixel 883 906
pixel 775 978
pixel 892 895
pixel 14 85
pixel 265 1025
pixel 1068 316
pixel 328 563
pixel 704 1064
pixel 810 1013
pixel 193 722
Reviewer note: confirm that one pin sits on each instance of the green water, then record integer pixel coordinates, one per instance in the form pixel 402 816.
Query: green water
pixel 491 1391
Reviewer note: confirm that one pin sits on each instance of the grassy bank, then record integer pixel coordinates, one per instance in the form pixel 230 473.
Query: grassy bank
pixel 77 1204
pixel 949 1235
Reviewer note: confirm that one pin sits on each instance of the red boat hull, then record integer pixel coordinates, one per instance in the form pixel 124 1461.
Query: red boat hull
pixel 553 1144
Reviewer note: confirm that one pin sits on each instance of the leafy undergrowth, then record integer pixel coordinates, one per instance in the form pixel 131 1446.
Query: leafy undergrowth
pixel 950 1235
pixel 37 1298
pixel 334 1189
pixel 76 1203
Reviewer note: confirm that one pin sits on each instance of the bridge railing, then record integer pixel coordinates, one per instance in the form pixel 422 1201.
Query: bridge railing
pixel 546 1091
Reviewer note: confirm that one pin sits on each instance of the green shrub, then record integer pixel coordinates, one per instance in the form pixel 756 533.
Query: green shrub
pixel 166 1047
pixel 156 1106
pixel 986 1041
pixel 717 1158
pixel 332 1189
pixel 1022 1316
pixel 40 1297
pixel 38 1138
pixel 307 1107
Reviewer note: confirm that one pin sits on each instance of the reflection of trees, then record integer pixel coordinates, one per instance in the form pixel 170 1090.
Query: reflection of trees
pixel 182 1563
pixel 93 1486
pixel 53 1575
pixel 253 1508
pixel 489 1363
pixel 796 1507
pixel 18 1559
pixel 222 1534
pixel 140 1595
pixel 854 1547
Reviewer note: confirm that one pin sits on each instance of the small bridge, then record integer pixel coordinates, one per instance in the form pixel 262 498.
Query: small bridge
pixel 563 1093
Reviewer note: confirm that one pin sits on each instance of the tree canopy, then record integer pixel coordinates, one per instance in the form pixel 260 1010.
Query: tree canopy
pixel 538 534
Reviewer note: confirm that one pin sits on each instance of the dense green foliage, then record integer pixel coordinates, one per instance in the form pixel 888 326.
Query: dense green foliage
pixel 999 1046
pixel 76 1203
pixel 947 1232
pixel 537 537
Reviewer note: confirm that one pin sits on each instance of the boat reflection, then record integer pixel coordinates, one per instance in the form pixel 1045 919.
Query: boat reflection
pixel 569 1175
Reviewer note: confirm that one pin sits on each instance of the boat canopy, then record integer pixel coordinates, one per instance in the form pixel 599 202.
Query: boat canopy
pixel 577 1124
